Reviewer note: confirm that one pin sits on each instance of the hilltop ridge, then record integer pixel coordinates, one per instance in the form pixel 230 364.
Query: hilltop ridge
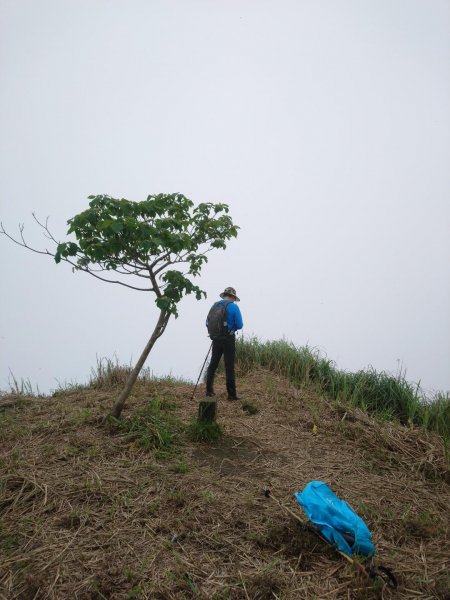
pixel 139 510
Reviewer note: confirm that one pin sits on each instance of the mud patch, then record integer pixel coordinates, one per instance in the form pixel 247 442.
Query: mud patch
pixel 232 456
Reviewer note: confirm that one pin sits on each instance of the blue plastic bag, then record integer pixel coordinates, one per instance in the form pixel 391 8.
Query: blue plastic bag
pixel 335 518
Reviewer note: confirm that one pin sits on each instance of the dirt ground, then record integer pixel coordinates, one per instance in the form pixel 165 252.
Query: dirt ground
pixel 87 513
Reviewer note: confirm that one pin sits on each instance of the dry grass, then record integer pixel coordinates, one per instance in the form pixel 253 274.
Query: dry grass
pixel 89 513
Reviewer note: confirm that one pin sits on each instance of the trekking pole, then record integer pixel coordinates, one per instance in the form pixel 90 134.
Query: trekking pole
pixel 196 385
pixel 268 494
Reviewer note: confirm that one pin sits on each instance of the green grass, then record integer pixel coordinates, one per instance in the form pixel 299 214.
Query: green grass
pixel 204 431
pixel 208 495
pixel 153 427
pixel 375 392
pixel 249 408
pixel 9 543
pixel 180 468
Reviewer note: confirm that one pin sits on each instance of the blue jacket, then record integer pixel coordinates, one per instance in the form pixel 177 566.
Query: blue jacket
pixel 234 317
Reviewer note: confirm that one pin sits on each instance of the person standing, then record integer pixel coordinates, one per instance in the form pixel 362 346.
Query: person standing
pixel 224 319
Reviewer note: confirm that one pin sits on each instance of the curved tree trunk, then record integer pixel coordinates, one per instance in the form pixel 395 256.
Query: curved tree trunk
pixel 157 332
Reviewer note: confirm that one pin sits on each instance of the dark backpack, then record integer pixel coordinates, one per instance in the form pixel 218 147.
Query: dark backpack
pixel 217 320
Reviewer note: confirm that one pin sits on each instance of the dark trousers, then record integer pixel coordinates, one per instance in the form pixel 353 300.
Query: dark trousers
pixel 227 347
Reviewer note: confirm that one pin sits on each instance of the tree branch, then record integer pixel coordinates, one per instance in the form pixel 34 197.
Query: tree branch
pixel 135 271
pixel 77 267
pixel 49 235
pixel 23 244
pixel 164 266
pixel 159 259
pixel 154 283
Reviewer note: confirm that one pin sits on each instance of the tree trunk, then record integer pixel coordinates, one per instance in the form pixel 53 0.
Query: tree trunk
pixel 157 332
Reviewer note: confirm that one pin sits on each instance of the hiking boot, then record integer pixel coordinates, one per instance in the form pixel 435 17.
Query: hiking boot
pixel 234 397
pixel 210 394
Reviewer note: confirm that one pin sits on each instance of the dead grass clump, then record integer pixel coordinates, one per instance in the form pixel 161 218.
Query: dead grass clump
pixel 441 586
pixel 389 446
pixel 18 492
pixel 33 587
pixel 423 526
pixel 109 374
pixel 70 521
pixel 265 585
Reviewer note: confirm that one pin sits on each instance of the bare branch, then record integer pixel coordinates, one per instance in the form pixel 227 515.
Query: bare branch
pixel 24 244
pixel 134 270
pixel 91 269
pixel 120 271
pixel 49 234
pixel 164 266
pixel 133 266
pixel 179 259
pixel 78 268
pixel 124 271
pixel 159 259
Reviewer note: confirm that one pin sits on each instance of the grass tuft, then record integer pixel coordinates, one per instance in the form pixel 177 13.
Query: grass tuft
pixel 109 373
pixel 153 427
pixel 24 387
pixel 204 431
pixel 249 408
pixel 181 468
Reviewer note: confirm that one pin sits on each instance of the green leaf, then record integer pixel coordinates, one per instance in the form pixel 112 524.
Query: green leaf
pixel 117 227
pixel 72 249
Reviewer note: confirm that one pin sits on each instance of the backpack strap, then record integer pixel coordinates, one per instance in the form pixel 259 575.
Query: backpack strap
pixel 226 303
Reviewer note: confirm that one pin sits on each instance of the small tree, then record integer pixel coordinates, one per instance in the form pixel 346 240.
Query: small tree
pixel 141 242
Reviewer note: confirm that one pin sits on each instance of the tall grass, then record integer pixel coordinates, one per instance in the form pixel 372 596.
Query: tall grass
pixel 375 392
pixel 24 387
pixel 109 373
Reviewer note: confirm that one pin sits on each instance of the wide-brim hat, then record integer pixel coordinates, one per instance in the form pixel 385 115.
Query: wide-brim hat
pixel 229 291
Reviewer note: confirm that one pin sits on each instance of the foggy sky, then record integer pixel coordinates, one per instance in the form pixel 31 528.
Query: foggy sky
pixel 323 124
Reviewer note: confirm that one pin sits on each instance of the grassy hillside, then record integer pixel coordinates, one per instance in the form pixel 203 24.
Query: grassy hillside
pixel 139 510
pixel 379 393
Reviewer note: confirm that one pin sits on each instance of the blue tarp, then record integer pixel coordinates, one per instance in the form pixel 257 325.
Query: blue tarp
pixel 334 517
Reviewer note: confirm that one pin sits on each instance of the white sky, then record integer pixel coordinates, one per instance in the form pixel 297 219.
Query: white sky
pixel 323 124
